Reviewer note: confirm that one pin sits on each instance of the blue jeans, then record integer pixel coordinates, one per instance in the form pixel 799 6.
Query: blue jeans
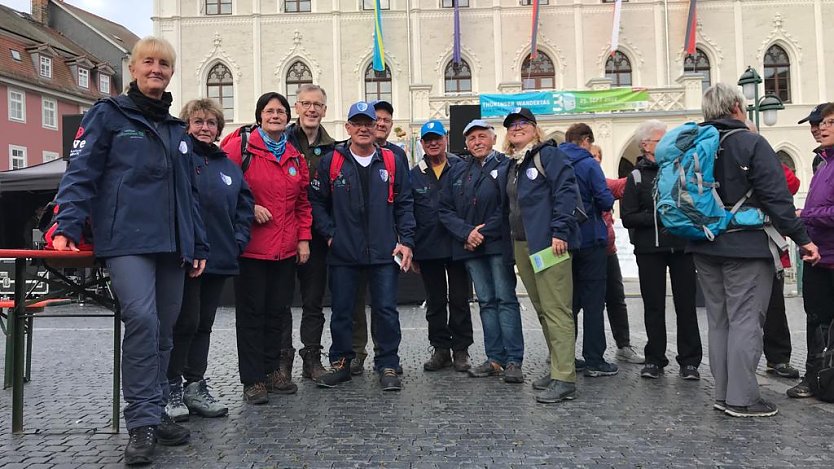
pixel 500 315
pixel 382 282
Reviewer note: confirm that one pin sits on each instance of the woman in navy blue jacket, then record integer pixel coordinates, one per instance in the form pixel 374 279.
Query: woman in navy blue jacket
pixel 131 174
pixel 473 211
pixel 227 207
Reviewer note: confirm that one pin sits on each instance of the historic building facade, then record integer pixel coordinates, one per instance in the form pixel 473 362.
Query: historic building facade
pixel 235 50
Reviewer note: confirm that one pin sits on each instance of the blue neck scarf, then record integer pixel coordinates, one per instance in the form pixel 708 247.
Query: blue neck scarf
pixel 276 148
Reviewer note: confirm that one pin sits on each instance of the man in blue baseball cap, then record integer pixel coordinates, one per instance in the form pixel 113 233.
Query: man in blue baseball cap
pixel 450 330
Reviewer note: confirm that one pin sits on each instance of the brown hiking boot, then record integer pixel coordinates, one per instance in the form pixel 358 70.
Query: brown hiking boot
pixel 280 380
pixel 460 359
pixel 311 363
pixel 255 394
pixel 440 358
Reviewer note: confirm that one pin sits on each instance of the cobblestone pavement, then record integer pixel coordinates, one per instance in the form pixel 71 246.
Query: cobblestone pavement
pixel 441 419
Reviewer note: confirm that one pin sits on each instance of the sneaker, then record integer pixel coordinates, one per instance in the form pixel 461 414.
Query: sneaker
pixel 578 363
pixel 690 372
pixel 279 383
pixel 487 368
pixel 440 358
pixel 339 373
pixel 389 381
pixel 460 360
pixel 255 394
pixel 603 369
pixel 357 366
pixel 651 371
pixel 140 447
pixel 200 402
pixel 175 408
pixel 170 433
pixel 761 408
pixel 783 370
pixel 557 391
pixel 540 384
pixel 801 390
pixel 513 374
pixel 629 354
pixel 720 405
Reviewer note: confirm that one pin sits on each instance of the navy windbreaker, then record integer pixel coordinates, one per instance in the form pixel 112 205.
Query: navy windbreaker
pixel 135 181
pixel 431 239
pixel 595 194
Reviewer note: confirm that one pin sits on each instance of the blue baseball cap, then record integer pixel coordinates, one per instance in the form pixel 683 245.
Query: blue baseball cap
pixel 432 127
pixel 362 108
pixel 477 124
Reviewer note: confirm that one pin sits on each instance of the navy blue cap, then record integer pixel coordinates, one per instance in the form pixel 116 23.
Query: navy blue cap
pixel 384 105
pixel 815 117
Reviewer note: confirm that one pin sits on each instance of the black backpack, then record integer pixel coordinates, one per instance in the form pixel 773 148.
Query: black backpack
pixel 821 379
pixel 245 154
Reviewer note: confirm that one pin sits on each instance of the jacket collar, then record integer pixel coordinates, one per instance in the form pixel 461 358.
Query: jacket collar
pixel 258 148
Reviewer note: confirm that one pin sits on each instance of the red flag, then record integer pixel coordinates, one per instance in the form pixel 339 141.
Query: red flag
pixel 691 26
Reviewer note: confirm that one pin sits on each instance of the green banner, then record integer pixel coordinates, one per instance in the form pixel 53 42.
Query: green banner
pixel 565 102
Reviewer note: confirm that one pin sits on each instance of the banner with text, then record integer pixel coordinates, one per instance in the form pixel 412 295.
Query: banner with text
pixel 565 102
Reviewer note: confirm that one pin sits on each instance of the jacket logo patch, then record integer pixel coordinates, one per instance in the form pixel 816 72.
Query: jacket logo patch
pixel 183 147
pixel 315 184
pixel 383 174
pixel 79 133
pixel 292 171
pixel 130 133
pixel 494 174
pixel 532 173
pixel 226 179
pixel 421 190
pixel 317 151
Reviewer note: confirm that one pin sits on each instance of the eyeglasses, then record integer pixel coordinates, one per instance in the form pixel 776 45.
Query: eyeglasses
pixel 275 112
pixel 211 123
pixel 826 123
pixel 314 105
pixel 651 140
pixel 384 120
pixel 363 124
pixel 519 124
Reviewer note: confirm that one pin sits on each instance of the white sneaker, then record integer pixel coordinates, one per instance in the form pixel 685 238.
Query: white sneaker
pixel 630 355
pixel 175 408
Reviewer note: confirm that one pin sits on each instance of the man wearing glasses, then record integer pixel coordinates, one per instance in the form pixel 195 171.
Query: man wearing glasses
pixel 362 205
pixel 311 139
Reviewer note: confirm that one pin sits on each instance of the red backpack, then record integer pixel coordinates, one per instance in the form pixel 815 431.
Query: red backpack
pixel 387 157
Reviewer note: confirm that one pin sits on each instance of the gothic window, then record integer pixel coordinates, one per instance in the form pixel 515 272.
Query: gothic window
pixel 698 64
pixel 777 73
pixel 298 74
pixel 618 69
pixel 538 73
pixel 377 84
pixel 458 77
pixel 220 87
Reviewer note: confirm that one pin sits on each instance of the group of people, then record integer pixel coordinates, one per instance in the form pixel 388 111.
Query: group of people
pixel 174 215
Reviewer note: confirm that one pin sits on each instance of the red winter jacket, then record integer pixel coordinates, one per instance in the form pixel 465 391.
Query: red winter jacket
pixel 793 186
pixel 617 187
pixel 282 189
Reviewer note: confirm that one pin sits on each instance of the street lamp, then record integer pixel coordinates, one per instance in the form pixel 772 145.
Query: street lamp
pixel 768 105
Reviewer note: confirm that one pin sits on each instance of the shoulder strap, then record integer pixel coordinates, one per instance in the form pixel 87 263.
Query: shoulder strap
pixel 245 154
pixel 390 162
pixel 637 176
pixel 336 163
pixel 537 162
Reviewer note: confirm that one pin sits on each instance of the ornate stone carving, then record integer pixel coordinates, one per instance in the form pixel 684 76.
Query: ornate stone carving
pixel 217 53
pixel 778 34
pixel 297 52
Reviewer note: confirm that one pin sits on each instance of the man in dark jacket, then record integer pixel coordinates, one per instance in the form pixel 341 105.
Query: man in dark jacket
pixel 656 250
pixel 365 211
pixel 433 250
pixel 312 140
pixel 589 261
pixel 813 119
pixel 737 268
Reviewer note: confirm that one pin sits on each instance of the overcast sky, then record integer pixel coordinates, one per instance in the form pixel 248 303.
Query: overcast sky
pixel 135 15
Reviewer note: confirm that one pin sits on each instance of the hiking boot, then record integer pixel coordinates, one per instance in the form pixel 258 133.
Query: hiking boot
pixel 277 383
pixel 557 391
pixel 255 394
pixel 603 369
pixel 140 447
pixel 513 374
pixel 440 358
pixel 311 363
pixel 540 384
pixel 339 373
pixel 170 433
pixel 801 390
pixel 629 354
pixel 460 359
pixel 720 405
pixel 389 381
pixel 761 408
pixel 199 401
pixel 175 408
pixel 783 370
pixel 651 371
pixel 357 366
pixel 690 372
pixel 487 368
pixel 578 363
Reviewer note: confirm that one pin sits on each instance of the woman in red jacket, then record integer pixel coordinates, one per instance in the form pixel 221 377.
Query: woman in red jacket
pixel 278 176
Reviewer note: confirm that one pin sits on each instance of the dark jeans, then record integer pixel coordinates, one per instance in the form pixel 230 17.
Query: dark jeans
pixel 589 278
pixel 312 279
pixel 652 272
pixel 818 298
pixel 777 335
pixel 615 303
pixel 263 320
pixel 452 330
pixel 382 280
pixel 192 333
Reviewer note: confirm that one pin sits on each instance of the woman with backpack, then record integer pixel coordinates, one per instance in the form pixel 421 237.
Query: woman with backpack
pixel 540 181
pixel 278 177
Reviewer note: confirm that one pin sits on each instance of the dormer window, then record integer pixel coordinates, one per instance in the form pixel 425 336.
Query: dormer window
pixel 83 78
pixel 15 55
pixel 104 83
pixel 46 67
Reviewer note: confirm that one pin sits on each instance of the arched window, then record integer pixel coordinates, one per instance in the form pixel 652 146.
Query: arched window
pixel 377 84
pixel 786 159
pixel 298 74
pixel 538 73
pixel 618 69
pixel 777 73
pixel 220 87
pixel 458 77
pixel 698 64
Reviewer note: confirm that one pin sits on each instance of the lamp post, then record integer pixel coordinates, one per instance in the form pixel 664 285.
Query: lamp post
pixel 767 105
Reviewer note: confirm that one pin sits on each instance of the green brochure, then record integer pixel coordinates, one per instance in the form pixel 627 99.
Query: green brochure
pixel 545 259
